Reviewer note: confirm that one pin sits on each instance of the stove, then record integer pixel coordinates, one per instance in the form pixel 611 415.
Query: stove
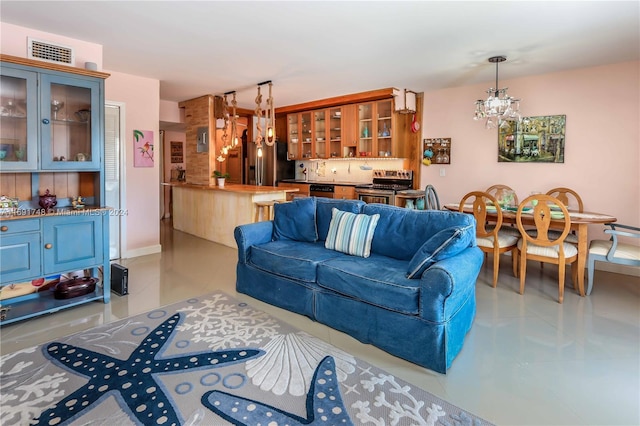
pixel 384 186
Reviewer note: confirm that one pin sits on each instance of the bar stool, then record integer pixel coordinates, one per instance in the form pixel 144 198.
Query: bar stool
pixel 264 210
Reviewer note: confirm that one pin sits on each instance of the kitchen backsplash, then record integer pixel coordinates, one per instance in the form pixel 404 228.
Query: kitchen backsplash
pixel 344 170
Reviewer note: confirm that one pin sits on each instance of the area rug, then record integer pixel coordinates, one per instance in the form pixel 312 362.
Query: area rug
pixel 211 360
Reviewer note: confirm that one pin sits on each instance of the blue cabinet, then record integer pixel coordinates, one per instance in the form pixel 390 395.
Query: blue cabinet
pixel 71 243
pixel 20 252
pixel 52 137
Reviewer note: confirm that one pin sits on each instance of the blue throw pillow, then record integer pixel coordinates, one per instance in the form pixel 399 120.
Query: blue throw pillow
pixel 351 233
pixel 295 220
pixel 444 244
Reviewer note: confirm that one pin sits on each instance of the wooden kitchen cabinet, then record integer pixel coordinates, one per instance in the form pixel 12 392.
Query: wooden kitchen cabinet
pixel 375 129
pixel 345 192
pixel 303 189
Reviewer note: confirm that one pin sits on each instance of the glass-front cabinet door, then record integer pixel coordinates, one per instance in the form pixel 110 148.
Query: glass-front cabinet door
pixel 293 136
pixel 320 133
pixel 384 113
pixel 366 130
pixel 18 120
pixel 69 123
pixel 335 132
pixel 307 134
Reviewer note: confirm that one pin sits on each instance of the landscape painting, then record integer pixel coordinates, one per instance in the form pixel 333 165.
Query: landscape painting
pixel 532 140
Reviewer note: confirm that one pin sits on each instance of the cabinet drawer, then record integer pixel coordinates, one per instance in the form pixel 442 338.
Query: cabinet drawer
pixel 19 257
pixel 10 227
pixel 345 192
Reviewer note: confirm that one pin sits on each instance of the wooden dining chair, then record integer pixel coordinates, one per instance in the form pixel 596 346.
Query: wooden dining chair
pixel 490 238
pixel 542 245
pixel 499 191
pixel 570 199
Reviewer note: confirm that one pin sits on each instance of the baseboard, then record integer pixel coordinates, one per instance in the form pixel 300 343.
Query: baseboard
pixel 143 251
pixel 618 269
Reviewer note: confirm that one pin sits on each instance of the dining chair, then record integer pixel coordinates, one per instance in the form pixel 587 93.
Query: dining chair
pixel 490 238
pixel 543 245
pixel 431 198
pixel 569 198
pixel 500 191
pixel 613 251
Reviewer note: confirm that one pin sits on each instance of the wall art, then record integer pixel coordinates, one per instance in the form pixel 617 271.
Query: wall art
pixel 143 148
pixel 532 140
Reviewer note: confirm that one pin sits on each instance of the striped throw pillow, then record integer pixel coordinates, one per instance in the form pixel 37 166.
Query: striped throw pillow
pixel 351 233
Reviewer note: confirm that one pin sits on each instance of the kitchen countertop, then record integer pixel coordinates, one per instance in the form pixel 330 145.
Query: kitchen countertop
pixel 232 187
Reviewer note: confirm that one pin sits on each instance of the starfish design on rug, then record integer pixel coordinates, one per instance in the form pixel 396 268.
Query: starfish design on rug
pixel 131 381
pixel 324 404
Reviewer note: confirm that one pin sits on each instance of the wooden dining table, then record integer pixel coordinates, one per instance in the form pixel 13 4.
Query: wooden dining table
pixel 580 222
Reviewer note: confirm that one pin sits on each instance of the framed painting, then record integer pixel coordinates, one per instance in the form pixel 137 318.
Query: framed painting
pixel 532 140
pixel 143 148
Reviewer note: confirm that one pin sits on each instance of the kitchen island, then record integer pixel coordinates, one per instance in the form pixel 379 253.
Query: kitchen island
pixel 212 212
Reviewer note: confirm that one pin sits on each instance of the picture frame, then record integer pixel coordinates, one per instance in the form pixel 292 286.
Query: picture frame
pixel 539 139
pixel 177 152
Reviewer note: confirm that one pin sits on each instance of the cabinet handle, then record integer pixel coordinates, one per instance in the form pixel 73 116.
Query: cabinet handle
pixel 45 121
pixel 48 246
pixel 4 228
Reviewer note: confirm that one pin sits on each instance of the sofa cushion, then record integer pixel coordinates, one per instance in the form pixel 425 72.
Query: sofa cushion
pixel 324 207
pixel 295 220
pixel 377 280
pixel 444 244
pixel 401 232
pixel 291 259
pixel 351 233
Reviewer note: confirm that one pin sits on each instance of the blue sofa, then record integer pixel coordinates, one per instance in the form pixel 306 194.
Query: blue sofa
pixel 423 319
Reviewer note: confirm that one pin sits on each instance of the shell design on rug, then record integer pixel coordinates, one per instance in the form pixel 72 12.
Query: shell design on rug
pixel 290 362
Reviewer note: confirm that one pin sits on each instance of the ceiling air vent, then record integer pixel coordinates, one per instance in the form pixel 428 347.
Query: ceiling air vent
pixel 50 52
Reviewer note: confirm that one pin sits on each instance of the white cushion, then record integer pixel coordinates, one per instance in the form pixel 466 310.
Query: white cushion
pixel 504 240
pixel 623 251
pixel 549 251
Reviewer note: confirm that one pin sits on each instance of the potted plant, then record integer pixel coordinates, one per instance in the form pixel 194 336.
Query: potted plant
pixel 220 177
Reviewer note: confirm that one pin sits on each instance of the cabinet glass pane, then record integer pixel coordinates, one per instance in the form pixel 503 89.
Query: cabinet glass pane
pixel 384 111
pixel 13 119
pixel 365 129
pixel 293 136
pixel 305 121
pixel 320 132
pixel 70 123
pixel 335 131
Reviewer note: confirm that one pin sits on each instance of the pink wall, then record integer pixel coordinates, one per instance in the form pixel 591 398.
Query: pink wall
pixel 602 139
pixel 13 41
pixel 141 96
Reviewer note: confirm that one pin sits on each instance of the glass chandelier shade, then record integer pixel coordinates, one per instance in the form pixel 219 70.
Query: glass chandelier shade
pixel 499 106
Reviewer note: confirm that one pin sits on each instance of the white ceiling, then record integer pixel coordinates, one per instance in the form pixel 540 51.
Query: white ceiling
pixel 315 50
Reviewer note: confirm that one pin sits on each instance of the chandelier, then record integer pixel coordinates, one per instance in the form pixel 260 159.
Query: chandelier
pixel 498 107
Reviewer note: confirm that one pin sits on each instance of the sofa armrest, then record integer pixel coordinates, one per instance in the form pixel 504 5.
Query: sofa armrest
pixel 252 234
pixel 446 284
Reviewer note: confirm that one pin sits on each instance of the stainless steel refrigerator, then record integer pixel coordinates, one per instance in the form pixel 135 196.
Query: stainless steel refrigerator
pixel 274 167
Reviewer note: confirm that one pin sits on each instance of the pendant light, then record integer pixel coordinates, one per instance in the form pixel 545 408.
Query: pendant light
pixel 499 106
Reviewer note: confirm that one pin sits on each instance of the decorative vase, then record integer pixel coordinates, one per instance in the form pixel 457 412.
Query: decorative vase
pixel 47 201
pixel 221 182
pixel 409 204
pixel 420 204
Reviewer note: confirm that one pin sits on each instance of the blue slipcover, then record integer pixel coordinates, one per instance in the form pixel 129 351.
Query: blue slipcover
pixel 422 320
